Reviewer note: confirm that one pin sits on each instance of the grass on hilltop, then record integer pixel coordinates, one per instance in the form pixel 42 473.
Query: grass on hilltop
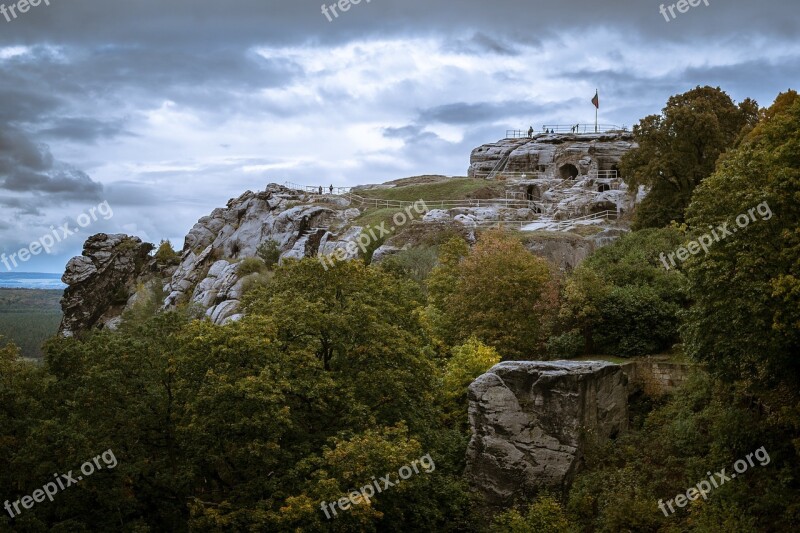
pixel 446 189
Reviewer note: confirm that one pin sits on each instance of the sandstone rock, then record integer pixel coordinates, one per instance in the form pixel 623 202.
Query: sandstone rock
pixel 564 253
pixel 101 281
pixel 553 153
pixel 236 232
pixel 530 422
pixel 384 251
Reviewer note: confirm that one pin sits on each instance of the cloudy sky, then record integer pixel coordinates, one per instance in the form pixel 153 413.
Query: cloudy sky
pixel 165 109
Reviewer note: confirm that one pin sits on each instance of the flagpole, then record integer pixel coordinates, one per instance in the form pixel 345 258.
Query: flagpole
pixel 596 92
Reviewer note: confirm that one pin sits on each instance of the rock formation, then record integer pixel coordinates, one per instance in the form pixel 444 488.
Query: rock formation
pixel 566 175
pixel 207 274
pixel 531 420
pixel 100 282
pixel 104 281
pixel 556 155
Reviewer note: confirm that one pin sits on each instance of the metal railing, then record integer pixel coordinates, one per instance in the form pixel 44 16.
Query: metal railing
pixel 551 225
pixel 517 134
pixel 531 175
pixel 500 165
pixel 315 189
pixel 561 225
pixel 582 128
pixel 442 204
pixel 561 128
pixel 604 174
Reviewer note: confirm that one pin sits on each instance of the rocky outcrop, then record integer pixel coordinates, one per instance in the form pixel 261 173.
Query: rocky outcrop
pixel 564 253
pixel 531 420
pixel 556 155
pixel 100 282
pixel 208 271
pixel 564 175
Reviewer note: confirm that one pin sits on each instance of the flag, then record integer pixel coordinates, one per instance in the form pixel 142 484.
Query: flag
pixel 596 100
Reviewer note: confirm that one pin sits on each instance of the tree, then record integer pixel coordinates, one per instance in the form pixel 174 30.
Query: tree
pixel 361 324
pixel 545 515
pixel 679 148
pixel 622 300
pixel 469 361
pixel 499 293
pixel 745 321
pixel 166 255
pixel 270 253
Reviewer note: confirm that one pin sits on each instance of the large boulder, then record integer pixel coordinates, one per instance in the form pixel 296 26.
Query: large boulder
pixel 531 421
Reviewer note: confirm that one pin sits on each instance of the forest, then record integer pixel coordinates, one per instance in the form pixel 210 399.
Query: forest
pixel 28 317
pixel 340 374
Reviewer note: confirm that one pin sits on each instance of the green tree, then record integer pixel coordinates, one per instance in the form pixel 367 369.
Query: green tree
pixel 270 253
pixel 166 255
pixel 361 324
pixel 745 318
pixel 622 300
pixel 679 148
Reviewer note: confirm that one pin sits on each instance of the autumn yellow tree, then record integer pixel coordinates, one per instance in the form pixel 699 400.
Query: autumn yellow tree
pixel 503 295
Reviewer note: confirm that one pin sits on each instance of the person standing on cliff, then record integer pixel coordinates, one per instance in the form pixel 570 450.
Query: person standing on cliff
pixel 530 132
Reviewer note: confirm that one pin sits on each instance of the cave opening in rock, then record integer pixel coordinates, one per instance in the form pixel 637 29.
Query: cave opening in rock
pixel 603 187
pixel 568 172
pixel 532 193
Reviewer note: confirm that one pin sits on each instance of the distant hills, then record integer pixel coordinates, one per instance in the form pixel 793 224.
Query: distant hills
pixel 31 280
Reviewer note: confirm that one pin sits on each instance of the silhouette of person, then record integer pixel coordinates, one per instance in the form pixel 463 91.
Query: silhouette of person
pixel 530 132
pixel 331 188
pixel 320 189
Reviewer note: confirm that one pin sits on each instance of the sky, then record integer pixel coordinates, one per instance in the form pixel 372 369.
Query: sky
pixel 141 117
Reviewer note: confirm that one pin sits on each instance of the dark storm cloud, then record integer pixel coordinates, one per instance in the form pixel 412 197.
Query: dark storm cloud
pixel 481 43
pixel 20 206
pixel 83 129
pixel 138 75
pixel 463 113
pixel 27 167
pixel 241 22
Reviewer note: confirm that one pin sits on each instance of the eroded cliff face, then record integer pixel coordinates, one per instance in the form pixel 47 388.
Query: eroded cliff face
pixel 530 421
pixel 556 155
pixel 108 278
pixel 101 281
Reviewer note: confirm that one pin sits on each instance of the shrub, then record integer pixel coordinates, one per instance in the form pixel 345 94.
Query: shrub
pixel 565 346
pixel 270 253
pixel 544 515
pixel 415 263
pixel 251 265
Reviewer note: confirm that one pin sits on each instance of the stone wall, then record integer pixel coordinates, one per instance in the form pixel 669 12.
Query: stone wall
pixel 657 377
